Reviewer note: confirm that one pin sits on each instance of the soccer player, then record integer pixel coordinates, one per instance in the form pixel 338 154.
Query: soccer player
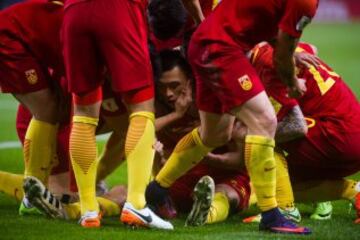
pixel 329 152
pixel 30 69
pixel 228 88
pixel 96 36
pixel 176 116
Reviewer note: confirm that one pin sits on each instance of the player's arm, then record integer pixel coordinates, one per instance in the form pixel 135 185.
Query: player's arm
pixel 167 119
pixel 292 126
pixel 284 62
pixel 233 159
pixel 182 104
pixel 194 9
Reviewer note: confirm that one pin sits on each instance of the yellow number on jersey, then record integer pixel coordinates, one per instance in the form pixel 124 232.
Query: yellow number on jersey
pixel 324 85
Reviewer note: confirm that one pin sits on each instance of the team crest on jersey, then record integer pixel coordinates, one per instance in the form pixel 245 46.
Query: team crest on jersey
pixel 245 82
pixel 31 76
pixel 302 23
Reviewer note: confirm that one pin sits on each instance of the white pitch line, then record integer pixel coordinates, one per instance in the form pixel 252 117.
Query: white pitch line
pixel 10 144
pixel 17 144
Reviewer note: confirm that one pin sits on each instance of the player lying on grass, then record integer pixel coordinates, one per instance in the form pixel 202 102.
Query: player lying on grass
pixel 178 111
pixel 228 88
pixel 176 115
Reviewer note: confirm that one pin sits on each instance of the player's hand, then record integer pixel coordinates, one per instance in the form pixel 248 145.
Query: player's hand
pixel 304 59
pixel 298 89
pixel 159 148
pixel 184 101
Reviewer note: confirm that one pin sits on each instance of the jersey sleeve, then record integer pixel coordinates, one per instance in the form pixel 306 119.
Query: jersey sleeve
pixel 297 14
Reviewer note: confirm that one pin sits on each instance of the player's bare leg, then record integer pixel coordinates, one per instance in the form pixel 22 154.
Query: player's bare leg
pixel 259 116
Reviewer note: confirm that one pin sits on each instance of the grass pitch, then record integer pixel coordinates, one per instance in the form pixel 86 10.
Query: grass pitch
pixel 338 45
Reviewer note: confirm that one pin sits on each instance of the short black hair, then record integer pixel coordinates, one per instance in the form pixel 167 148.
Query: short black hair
pixel 170 59
pixel 166 17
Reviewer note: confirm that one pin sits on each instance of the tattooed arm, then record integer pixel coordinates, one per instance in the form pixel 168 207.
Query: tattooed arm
pixel 292 126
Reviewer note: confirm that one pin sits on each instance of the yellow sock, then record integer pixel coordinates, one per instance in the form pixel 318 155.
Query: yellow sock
pixel 73 210
pixel 139 155
pixel 219 209
pixel 84 161
pixel 108 208
pixel 188 152
pixel 12 184
pixel 284 192
pixel 260 163
pixel 327 190
pixel 39 149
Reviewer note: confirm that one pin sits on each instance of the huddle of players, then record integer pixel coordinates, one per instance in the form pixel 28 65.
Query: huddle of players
pixel 226 82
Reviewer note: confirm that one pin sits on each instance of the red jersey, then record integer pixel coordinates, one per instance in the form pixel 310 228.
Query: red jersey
pixel 327 98
pixel 36 24
pixel 275 89
pixel 246 23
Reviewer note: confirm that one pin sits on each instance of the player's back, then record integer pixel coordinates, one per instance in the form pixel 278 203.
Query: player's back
pixel 246 23
pixel 329 98
pixel 36 24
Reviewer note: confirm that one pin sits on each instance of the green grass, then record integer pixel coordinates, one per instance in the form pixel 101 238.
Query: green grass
pixel 338 45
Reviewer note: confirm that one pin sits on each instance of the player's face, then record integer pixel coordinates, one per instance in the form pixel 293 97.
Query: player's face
pixel 171 85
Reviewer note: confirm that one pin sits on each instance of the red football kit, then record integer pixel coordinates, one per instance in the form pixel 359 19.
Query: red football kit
pixel 106 32
pixel 30 46
pixel 224 76
pixel 331 148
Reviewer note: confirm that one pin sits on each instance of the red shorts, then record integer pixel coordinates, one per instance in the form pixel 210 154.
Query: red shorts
pixel 112 32
pixel 321 155
pixel 20 72
pixel 181 191
pixel 224 77
pixel 23 119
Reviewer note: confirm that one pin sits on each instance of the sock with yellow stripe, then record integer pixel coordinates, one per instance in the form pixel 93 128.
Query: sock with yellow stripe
pixel 284 192
pixel 219 209
pixel 83 153
pixel 327 190
pixel 108 208
pixel 139 154
pixel 39 149
pixel 260 163
pixel 12 185
pixel 189 151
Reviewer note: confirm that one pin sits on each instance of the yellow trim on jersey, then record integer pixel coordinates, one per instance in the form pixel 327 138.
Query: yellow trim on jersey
pixel 311 121
pixel 277 106
pixel 215 3
pixel 299 50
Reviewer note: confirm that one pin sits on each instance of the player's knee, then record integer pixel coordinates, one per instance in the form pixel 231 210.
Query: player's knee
pixel 212 140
